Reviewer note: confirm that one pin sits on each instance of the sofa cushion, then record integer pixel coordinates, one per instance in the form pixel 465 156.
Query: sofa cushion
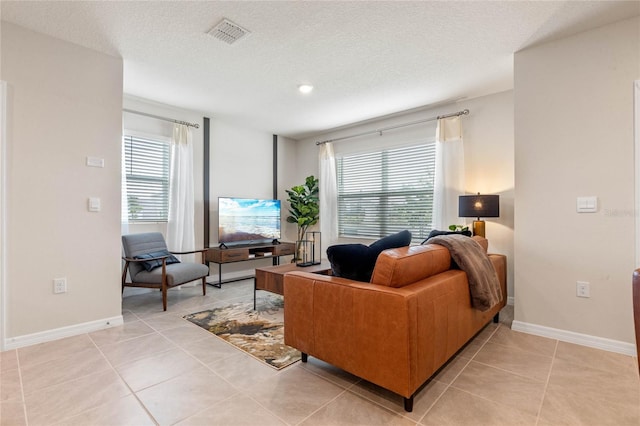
pixel 152 264
pixel 406 265
pixel 356 261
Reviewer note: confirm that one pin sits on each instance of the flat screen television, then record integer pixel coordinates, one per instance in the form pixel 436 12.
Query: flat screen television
pixel 248 220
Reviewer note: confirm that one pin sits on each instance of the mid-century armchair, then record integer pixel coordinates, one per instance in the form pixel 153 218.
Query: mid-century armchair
pixel 151 265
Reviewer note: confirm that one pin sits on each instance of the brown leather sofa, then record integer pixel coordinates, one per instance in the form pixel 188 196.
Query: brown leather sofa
pixel 396 331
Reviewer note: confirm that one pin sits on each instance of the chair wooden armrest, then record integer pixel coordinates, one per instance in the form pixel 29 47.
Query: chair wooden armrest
pixel 201 251
pixel 188 252
pixel 130 259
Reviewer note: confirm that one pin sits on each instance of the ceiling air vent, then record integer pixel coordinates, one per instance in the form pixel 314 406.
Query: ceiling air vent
pixel 228 32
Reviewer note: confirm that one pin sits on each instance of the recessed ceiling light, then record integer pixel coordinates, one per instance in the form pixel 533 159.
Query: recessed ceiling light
pixel 305 88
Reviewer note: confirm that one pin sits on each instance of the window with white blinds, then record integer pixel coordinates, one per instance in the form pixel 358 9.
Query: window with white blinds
pixel 384 192
pixel 147 165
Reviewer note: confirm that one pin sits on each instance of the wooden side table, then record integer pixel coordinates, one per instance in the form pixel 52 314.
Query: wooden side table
pixel 271 278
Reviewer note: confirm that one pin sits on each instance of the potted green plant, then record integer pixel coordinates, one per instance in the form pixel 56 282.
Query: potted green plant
pixel 458 228
pixel 304 208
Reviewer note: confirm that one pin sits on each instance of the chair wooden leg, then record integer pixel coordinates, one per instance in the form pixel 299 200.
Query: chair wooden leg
pixel 164 298
pixel 164 284
pixel 204 286
pixel 124 275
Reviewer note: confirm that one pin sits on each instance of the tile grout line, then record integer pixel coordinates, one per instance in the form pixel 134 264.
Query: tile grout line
pixel 185 351
pixel 511 372
pixel 349 389
pixel 322 406
pixel 240 391
pixel 518 349
pixel 153 419
pixel 24 400
pixel 90 374
pixel 448 385
pixel 546 385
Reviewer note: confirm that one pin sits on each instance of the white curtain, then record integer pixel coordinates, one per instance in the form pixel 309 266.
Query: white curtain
pixel 328 192
pixel 449 178
pixel 180 228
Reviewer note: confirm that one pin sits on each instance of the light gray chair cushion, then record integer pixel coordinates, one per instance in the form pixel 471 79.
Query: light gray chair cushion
pixel 177 273
pixel 137 244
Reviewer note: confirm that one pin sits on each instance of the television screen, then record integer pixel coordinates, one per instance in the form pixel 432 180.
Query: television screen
pixel 248 220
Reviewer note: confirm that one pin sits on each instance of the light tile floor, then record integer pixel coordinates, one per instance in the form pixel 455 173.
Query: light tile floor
pixel 159 369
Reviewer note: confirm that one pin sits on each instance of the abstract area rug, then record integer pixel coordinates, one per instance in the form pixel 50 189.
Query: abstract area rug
pixel 259 333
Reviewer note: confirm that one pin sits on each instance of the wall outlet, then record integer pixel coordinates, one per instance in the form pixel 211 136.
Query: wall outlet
pixel 59 285
pixel 582 289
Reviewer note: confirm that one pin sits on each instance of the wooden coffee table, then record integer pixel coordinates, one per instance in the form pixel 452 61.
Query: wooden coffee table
pixel 271 278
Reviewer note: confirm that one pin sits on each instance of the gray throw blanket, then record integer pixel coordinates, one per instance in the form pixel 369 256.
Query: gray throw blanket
pixel 471 258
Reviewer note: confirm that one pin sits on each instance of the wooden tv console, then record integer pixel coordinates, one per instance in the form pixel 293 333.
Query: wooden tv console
pixel 246 252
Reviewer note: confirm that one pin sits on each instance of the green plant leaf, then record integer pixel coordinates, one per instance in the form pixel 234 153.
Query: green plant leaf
pixel 304 203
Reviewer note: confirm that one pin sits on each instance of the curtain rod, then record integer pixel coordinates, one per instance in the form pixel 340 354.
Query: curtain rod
pixel 384 129
pixel 186 123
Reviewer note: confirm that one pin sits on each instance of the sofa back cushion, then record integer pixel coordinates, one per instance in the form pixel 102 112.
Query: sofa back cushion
pixel 402 266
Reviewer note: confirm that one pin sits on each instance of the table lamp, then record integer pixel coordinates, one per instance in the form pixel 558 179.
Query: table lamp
pixel 479 206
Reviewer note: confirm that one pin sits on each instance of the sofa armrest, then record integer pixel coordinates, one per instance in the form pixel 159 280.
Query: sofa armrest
pixel 499 262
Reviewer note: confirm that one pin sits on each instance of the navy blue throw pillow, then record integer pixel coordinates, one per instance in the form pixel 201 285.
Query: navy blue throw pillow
pixel 152 264
pixel 435 233
pixel 348 261
pixel 356 261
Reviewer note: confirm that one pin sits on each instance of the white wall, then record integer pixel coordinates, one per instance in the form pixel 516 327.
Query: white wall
pixel 488 144
pixel 64 104
pixel 574 137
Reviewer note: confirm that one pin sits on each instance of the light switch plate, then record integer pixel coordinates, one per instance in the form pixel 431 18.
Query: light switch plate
pixel 95 162
pixel 587 204
pixel 94 204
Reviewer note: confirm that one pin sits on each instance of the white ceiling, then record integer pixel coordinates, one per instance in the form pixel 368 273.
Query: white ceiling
pixel 365 58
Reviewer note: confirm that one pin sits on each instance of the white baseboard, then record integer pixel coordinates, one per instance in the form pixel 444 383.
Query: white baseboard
pixel 577 338
pixel 59 333
pixel 510 300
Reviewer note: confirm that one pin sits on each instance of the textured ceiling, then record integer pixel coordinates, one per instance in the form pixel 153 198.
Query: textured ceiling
pixel 365 59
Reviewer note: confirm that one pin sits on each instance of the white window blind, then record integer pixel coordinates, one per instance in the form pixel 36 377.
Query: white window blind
pixel 384 192
pixel 147 165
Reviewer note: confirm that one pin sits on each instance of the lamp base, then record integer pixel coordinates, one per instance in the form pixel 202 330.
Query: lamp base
pixel 478 228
